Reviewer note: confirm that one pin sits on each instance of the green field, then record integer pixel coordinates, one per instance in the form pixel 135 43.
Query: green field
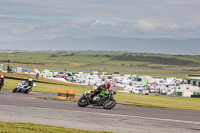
pixel 138 63
pixel 16 127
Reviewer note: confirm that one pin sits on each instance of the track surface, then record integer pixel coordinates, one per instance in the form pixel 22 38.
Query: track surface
pixel 20 107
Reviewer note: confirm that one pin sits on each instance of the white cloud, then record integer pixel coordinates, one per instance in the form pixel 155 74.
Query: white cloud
pixel 34 27
pixel 86 23
pixel 80 23
pixel 145 25
pixel 103 23
pixel 124 31
pixel 174 26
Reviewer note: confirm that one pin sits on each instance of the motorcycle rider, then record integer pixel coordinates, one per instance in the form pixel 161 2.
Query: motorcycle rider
pixel 24 86
pixel 105 87
pixel 1 81
pixel 30 83
pixel 9 69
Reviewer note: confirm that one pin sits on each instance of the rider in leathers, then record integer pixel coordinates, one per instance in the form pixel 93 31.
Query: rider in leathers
pixel 104 87
pixel 29 83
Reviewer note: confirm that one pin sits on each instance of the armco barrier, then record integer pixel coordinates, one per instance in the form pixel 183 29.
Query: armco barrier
pixel 66 94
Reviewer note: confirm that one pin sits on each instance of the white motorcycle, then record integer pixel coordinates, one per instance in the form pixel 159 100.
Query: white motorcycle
pixel 23 87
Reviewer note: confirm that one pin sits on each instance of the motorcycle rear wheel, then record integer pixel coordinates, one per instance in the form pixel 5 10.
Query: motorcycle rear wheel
pixel 82 102
pixel 109 104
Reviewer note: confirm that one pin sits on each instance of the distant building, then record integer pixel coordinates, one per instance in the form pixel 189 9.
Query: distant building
pixel 186 90
pixel 195 81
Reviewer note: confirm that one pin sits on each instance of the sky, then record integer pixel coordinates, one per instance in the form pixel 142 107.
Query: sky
pixel 147 19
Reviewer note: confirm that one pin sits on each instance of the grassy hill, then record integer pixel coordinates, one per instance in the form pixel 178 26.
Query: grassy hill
pixel 138 63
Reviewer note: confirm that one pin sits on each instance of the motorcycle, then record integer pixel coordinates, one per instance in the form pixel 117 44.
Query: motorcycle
pixel 1 84
pixel 105 99
pixel 1 81
pixel 22 87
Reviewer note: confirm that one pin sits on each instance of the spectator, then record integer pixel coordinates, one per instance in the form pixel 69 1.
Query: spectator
pixel 9 69
pixel 37 76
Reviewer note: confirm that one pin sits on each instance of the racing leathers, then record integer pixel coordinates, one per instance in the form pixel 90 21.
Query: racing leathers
pixel 98 90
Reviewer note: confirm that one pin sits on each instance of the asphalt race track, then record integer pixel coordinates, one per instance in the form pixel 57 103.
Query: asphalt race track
pixel 19 107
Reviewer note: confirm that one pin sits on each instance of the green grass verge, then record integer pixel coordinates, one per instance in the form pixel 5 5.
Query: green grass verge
pixel 16 127
pixel 51 98
pixel 160 101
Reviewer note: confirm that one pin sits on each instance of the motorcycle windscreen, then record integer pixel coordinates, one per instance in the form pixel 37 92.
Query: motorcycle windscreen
pixel 88 92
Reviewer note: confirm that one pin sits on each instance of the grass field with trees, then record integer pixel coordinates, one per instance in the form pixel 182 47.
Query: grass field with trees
pixel 138 63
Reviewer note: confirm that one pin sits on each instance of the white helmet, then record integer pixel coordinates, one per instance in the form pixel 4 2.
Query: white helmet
pixel 30 79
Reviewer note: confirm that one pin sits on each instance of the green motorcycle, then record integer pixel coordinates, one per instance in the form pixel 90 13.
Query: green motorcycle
pixel 104 98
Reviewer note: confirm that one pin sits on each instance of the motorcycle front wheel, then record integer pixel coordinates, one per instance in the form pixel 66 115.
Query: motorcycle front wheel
pixel 27 91
pixel 82 102
pixel 15 90
pixel 109 104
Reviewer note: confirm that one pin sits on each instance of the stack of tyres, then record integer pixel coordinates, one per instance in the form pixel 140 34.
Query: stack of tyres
pixel 70 94
pixel 62 94
pixel 66 94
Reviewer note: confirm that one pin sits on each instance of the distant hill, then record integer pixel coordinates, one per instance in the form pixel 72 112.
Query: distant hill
pixel 102 43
